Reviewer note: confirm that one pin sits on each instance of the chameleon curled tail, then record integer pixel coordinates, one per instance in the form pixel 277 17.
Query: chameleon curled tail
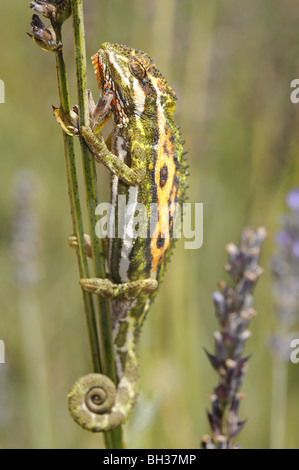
pixel 96 404
pixel 91 403
pixel 94 401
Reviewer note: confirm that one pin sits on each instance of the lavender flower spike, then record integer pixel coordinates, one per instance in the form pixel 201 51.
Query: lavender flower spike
pixel 234 312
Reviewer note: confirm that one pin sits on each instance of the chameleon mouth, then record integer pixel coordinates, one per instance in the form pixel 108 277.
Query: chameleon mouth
pixel 107 85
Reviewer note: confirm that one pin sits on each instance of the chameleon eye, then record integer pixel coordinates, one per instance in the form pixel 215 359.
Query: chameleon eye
pixel 136 68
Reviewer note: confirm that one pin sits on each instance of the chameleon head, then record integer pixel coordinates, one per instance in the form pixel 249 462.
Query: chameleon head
pixel 137 85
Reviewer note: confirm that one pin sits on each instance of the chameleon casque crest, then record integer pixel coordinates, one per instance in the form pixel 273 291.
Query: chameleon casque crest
pixel 147 163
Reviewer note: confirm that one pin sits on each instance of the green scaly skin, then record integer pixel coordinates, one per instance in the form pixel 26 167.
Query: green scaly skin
pixel 147 163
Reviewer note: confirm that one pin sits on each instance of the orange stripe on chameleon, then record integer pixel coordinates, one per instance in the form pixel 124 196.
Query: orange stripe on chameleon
pixel 165 192
pixel 97 68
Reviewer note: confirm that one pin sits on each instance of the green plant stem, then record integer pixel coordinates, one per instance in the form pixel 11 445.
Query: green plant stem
pixel 76 214
pixel 113 438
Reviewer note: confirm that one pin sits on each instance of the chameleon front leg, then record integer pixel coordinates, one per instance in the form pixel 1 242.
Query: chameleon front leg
pixel 97 145
pixel 130 175
pixel 99 114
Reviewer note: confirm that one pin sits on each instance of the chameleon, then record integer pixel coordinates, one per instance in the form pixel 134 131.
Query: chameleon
pixel 147 163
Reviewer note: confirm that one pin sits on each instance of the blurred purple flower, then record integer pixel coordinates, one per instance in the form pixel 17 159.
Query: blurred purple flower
pixel 285 269
pixel 25 230
pixel 296 249
pixel 292 199
pixel 282 238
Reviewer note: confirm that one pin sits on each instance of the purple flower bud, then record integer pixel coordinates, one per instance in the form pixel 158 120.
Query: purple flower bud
pixel 283 238
pixel 292 199
pixel 218 298
pixel 219 304
pixel 296 249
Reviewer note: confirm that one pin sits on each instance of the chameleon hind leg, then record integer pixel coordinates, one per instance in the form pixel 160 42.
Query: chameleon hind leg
pixel 107 288
pixel 126 290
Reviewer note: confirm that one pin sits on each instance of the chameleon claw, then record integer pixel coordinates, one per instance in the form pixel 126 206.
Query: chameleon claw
pixel 68 122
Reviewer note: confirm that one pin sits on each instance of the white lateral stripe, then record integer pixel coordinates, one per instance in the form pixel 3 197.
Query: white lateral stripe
pixel 118 68
pixel 139 96
pixel 127 242
pixel 121 152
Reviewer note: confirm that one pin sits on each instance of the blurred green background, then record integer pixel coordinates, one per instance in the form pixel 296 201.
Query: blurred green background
pixel 231 65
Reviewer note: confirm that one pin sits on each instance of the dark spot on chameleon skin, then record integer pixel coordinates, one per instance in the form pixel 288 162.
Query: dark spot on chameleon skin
pixel 160 241
pixel 163 176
